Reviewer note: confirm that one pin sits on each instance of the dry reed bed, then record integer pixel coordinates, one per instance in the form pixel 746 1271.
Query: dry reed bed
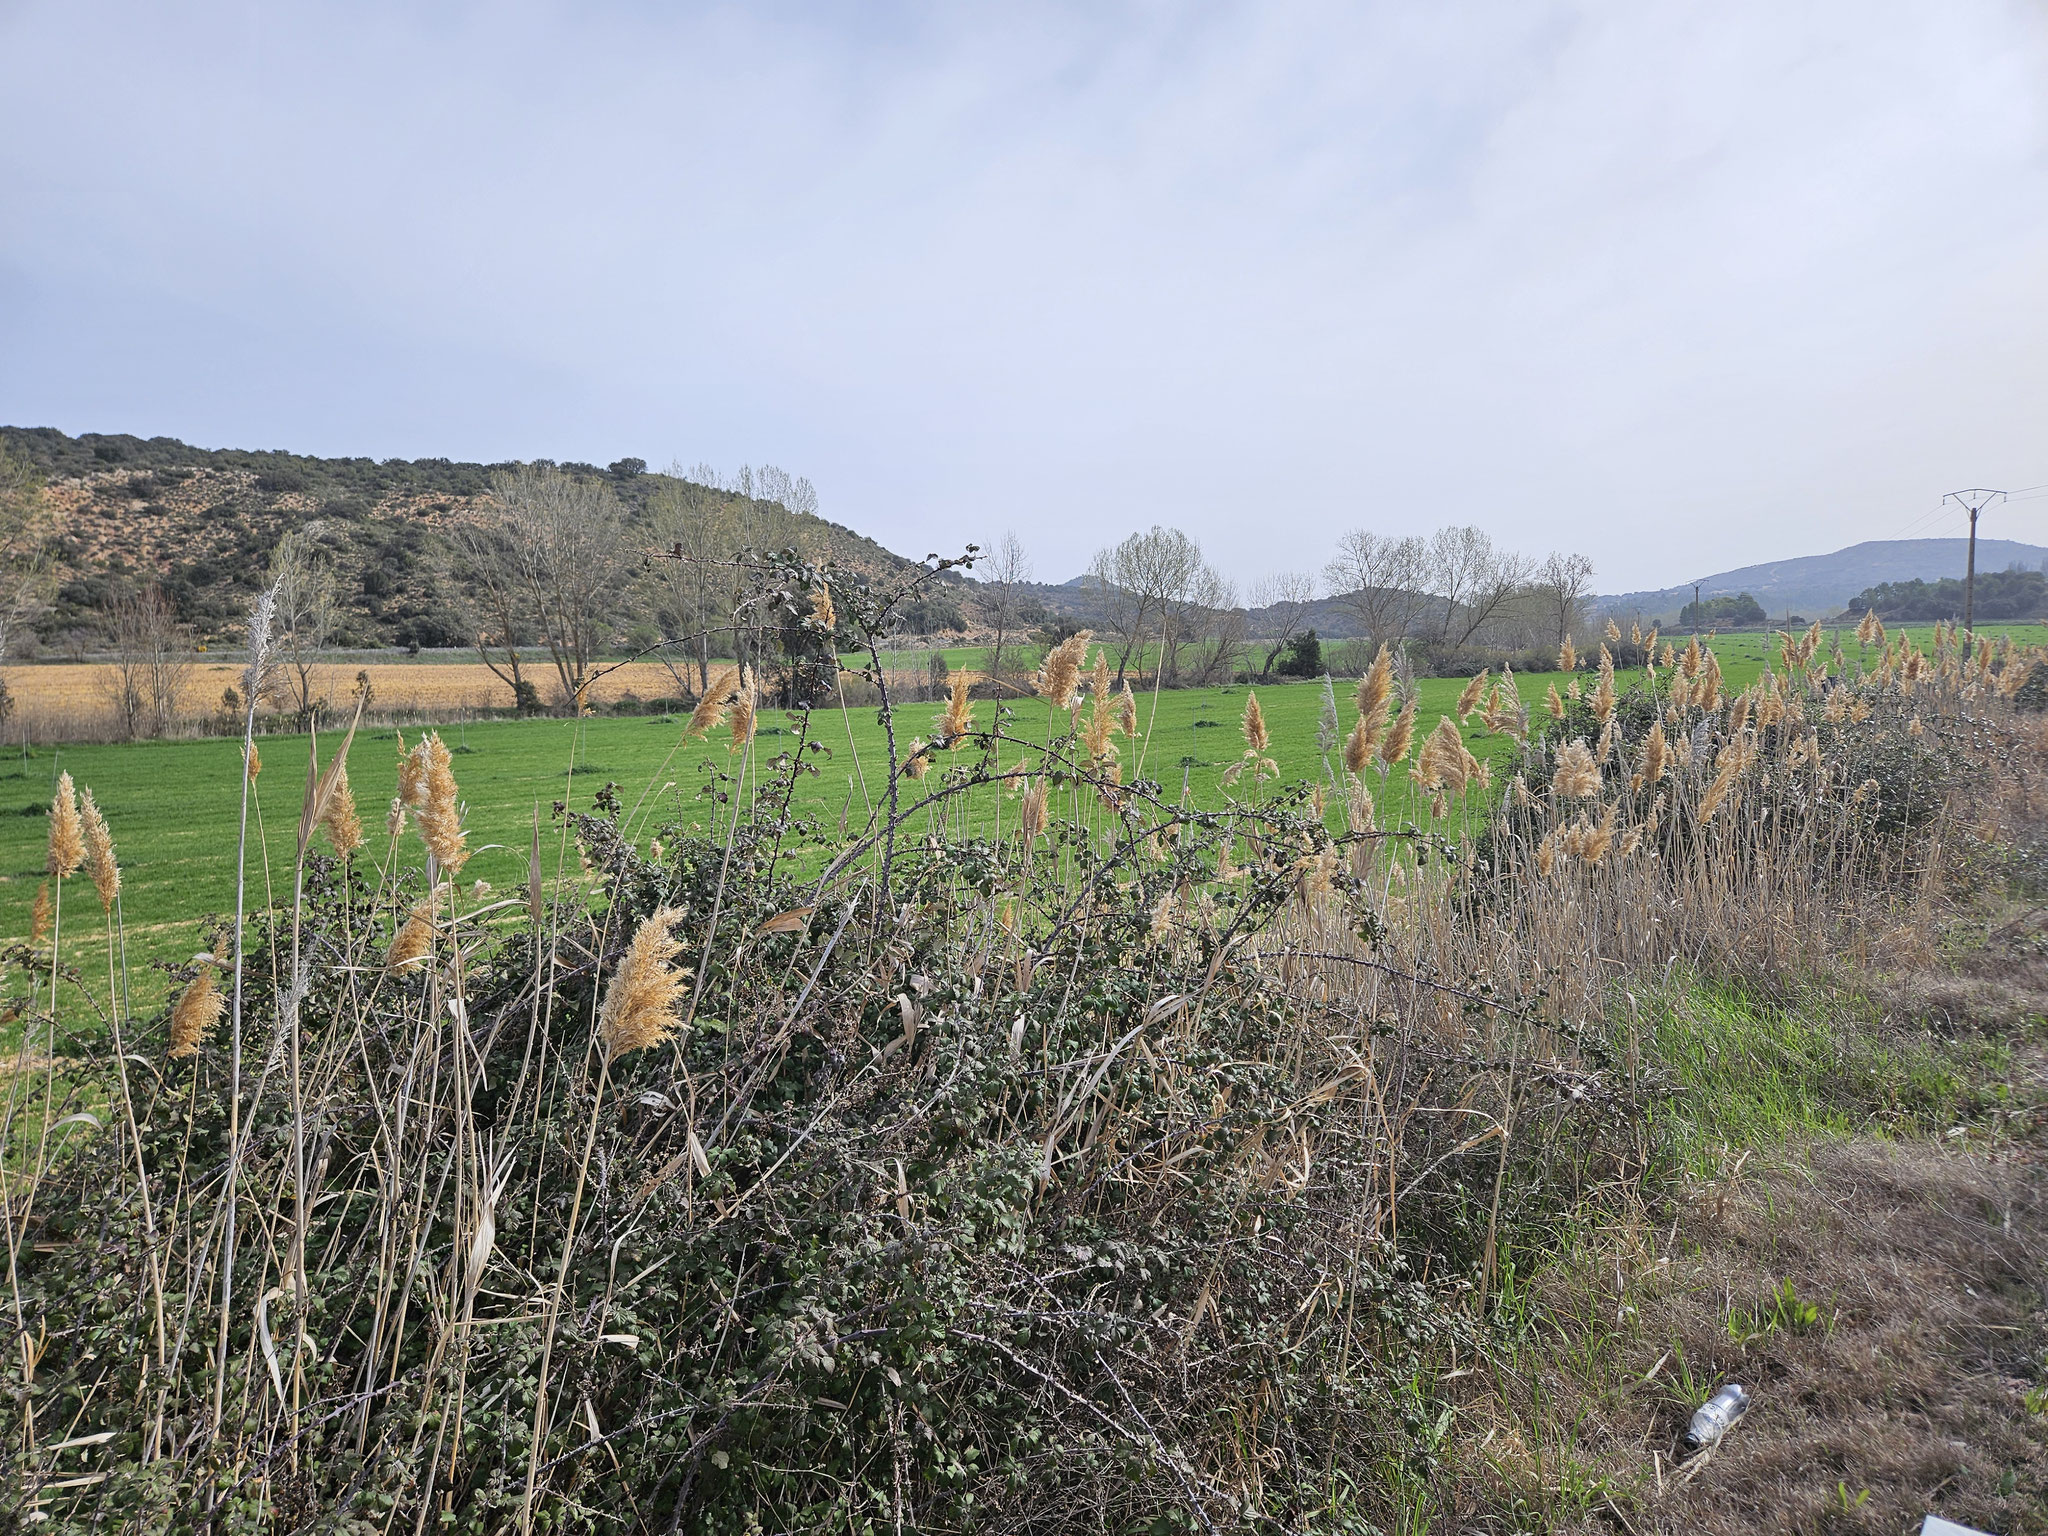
pixel 1141 1163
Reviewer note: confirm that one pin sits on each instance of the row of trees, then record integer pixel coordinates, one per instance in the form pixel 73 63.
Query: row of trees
pixel 1453 591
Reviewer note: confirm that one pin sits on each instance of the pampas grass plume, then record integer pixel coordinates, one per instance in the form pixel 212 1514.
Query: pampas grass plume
pixel 1256 737
pixel 195 1013
pixel 99 853
pixel 67 838
pixel 1469 696
pixel 1578 774
pixel 1376 688
pixel 1395 748
pixel 39 916
pixel 640 1004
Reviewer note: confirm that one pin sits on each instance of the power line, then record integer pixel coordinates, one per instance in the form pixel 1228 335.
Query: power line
pixel 1972 501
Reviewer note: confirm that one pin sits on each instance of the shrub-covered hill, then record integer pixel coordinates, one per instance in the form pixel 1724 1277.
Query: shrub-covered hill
pixel 203 522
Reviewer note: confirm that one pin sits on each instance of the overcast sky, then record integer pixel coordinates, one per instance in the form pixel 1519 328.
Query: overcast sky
pixel 1683 286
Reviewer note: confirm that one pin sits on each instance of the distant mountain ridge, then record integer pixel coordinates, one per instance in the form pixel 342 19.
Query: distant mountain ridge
pixel 1814 586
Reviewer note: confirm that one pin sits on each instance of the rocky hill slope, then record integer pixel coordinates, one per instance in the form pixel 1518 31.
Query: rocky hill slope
pixel 203 523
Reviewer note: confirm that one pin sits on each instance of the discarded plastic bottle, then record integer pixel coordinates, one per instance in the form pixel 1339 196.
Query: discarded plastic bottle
pixel 1714 1416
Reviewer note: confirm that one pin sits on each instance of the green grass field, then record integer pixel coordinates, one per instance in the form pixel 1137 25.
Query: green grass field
pixel 173 805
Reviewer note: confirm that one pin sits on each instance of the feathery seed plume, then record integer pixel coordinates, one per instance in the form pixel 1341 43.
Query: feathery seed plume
pixel 1059 675
pixel 67 841
pixel 343 826
pixel 414 938
pixel 1031 810
pixel 1375 689
pixel 1578 775
pixel 1603 696
pixel 99 853
pixel 743 711
pixel 252 761
pixel 640 1004
pixel 821 609
pixel 1358 747
pixel 195 1013
pixel 1254 724
pixel 1567 656
pixel 1442 759
pixel 959 717
pixel 1100 686
pixel 1613 631
pixel 710 710
pixel 1468 699
pixel 1635 634
pixel 1738 716
pixel 1394 749
pixel 39 916
pixel 1656 756
pixel 920 758
pixel 1127 712
pixel 1554 704
pixel 433 803
pixel 1689 661
pixel 394 820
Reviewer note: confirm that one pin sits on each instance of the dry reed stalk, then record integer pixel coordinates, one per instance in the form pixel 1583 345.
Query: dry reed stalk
pixel 822 613
pixel 99 853
pixel 639 1008
pixel 195 1014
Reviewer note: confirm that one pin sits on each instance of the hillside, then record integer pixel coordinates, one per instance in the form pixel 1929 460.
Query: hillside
pixel 1815 585
pixel 203 523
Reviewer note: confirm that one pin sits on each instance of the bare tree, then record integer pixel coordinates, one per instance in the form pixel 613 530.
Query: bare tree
pixel 1217 641
pixel 153 662
pixel 699 527
pixel 1150 579
pixel 1378 579
pixel 496 605
pixel 1287 599
pixel 1562 580
pixel 1472 577
pixel 1008 570
pixel 563 543
pixel 305 616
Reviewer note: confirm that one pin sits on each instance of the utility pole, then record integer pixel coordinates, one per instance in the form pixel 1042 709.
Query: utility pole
pixel 1696 615
pixel 1972 502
